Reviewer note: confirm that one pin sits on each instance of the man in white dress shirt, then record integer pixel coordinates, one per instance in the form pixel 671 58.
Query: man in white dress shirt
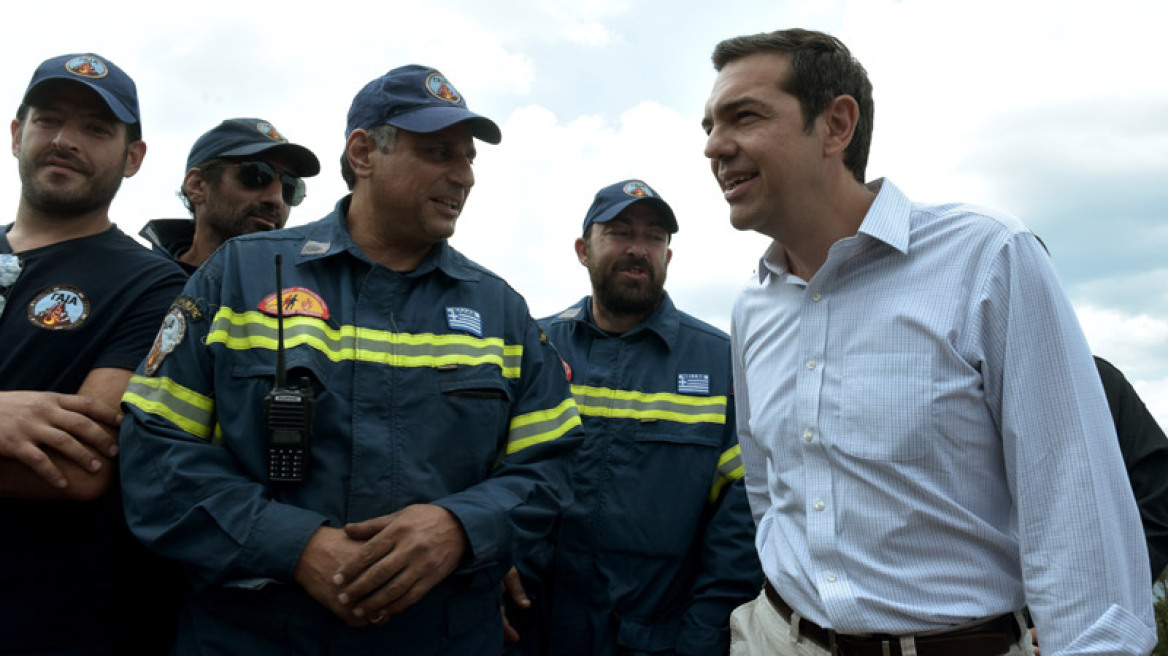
pixel 926 442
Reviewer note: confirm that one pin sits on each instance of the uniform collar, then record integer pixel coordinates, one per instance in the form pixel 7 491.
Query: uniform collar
pixel 330 237
pixel 171 237
pixel 663 321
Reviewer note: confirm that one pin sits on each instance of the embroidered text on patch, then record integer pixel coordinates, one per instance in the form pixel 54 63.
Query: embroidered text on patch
pixel 62 307
pixel 463 318
pixel 693 383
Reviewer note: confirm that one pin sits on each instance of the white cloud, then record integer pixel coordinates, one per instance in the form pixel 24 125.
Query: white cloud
pixel 1135 343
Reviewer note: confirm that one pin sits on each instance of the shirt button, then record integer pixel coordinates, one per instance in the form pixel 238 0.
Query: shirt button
pixel 811 364
pixel 819 505
pixel 808 435
pixel 816 297
pixel 831 577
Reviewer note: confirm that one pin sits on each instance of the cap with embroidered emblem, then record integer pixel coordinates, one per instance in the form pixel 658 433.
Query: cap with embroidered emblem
pixel 418 99
pixel 241 137
pixel 96 72
pixel 613 199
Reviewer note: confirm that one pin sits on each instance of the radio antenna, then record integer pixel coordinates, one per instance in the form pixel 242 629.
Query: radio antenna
pixel 281 374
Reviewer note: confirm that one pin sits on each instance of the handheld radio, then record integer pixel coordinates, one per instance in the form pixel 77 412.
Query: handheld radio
pixel 287 411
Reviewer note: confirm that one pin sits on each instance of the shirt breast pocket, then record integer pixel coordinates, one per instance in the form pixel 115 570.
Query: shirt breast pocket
pixel 475 399
pixel 885 410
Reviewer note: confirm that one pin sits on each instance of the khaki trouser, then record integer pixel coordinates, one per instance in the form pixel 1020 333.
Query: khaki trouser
pixel 757 629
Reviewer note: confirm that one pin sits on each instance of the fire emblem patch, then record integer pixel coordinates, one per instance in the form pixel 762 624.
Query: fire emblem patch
pixel 62 307
pixel 298 301
pixel 170 335
pixel 270 131
pixel 87 66
pixel 637 189
pixel 441 88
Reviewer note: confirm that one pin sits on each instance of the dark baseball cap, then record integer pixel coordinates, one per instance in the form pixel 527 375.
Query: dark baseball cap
pixel 241 137
pixel 613 199
pixel 418 99
pixel 96 72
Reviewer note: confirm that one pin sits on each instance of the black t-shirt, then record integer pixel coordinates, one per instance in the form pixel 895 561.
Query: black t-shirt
pixel 78 305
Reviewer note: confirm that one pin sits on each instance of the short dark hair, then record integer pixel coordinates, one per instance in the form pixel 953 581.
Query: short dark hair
pixel 822 69
pixel 385 136
pixel 212 171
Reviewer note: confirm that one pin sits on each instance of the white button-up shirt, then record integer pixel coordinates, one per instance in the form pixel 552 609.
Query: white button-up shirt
pixel 926 440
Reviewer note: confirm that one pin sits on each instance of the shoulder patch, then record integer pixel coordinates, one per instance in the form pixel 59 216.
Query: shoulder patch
pixel 465 319
pixel 170 335
pixel 298 301
pixel 61 307
pixel 696 384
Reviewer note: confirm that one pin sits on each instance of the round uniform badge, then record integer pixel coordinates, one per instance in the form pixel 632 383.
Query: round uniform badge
pixel 87 66
pixel 270 131
pixel 441 88
pixel 170 335
pixel 62 307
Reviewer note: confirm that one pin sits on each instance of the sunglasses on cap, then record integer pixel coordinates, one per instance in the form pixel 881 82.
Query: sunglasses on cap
pixel 257 175
pixel 9 272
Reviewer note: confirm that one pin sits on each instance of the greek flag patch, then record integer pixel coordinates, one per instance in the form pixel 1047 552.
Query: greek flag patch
pixel 462 318
pixel 693 384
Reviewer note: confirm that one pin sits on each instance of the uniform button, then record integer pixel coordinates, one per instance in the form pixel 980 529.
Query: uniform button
pixel 831 577
pixel 816 297
pixel 811 364
pixel 808 435
pixel 819 505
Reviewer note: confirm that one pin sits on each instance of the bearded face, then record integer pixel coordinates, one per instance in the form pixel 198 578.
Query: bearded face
pixel 627 259
pixel 54 197
pixel 630 285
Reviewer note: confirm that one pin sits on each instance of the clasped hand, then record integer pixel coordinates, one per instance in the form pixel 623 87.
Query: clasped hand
pixel 370 570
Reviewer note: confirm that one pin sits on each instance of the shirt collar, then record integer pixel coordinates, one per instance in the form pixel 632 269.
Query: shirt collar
pixel 888 220
pixel 663 321
pixel 330 237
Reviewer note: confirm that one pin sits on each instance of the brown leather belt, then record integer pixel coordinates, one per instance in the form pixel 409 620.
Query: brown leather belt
pixel 989 638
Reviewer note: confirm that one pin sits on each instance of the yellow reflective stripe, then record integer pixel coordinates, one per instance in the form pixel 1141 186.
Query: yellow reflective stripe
pixel 605 402
pixel 183 407
pixel 729 470
pixel 255 330
pixel 542 426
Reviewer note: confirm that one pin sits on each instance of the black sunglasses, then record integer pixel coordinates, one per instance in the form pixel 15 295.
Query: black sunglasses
pixel 257 175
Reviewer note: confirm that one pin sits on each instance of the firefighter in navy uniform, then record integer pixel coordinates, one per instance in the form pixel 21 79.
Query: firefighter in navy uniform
pixel 442 417
pixel 658 546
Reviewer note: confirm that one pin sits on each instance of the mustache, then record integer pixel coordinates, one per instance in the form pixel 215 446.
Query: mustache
pixel 263 210
pixel 70 160
pixel 632 262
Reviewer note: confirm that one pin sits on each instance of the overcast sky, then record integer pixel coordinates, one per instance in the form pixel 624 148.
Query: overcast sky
pixel 1056 111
